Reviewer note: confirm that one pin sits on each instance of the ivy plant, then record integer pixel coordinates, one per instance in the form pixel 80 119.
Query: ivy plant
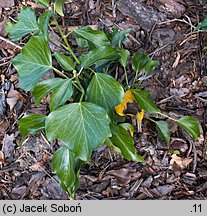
pixel 88 106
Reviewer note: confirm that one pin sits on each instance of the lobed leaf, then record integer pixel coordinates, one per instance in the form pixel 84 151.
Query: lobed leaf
pixel 121 139
pixel 82 127
pixel 105 91
pixel 142 62
pixel 163 130
pixel 191 125
pixel 95 38
pixel 139 60
pixel 119 37
pixel 32 124
pixel 45 87
pixel 34 61
pixel 67 167
pixel 99 54
pixel 61 90
pixel 26 24
pixel 143 99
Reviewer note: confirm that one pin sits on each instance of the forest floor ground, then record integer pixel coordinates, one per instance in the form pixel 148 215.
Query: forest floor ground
pixel 178 88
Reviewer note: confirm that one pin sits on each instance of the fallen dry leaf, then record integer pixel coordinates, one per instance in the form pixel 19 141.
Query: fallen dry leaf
pixel 8 145
pixel 1 158
pixel 182 163
pixel 122 175
pixel 4 125
pixel 12 97
pixel 6 3
pixel 38 166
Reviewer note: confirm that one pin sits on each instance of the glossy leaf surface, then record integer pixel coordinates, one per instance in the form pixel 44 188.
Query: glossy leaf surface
pixel 67 167
pixel 106 53
pixel 163 130
pixel 61 94
pixel 26 24
pixel 65 61
pixel 34 61
pixel 191 125
pixel 32 124
pixel 121 139
pixel 143 99
pixel 96 38
pixel 82 127
pixel 105 91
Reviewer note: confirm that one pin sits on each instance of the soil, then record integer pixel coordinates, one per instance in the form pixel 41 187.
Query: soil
pixel 165 30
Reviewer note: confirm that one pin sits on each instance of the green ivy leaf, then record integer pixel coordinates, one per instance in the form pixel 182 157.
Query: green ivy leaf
pixel 150 66
pixel 61 94
pixel 82 127
pixel 191 125
pixel 65 61
pixel 34 61
pixel 119 37
pixel 95 38
pixel 82 43
pixel 121 139
pixel 26 24
pixel 124 55
pixel 67 167
pixel 32 124
pixel 61 90
pixel 142 62
pixel 99 54
pixel 58 6
pixel 143 99
pixel 108 143
pixel 43 2
pixel 128 127
pixel 43 23
pixel 45 87
pixel 139 60
pixel 106 92
pixel 163 130
pixel 202 25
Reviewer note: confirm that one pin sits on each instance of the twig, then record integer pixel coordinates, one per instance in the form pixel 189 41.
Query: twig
pixel 157 50
pixel 178 20
pixel 113 8
pixel 9 168
pixel 11 43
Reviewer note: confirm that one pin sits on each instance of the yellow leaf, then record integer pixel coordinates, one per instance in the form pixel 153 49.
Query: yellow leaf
pixel 140 115
pixel 129 106
pixel 128 97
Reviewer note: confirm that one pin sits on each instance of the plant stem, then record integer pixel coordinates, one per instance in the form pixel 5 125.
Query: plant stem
pixel 136 74
pixel 79 85
pixel 92 70
pixel 80 71
pixel 59 72
pixel 151 120
pixel 68 34
pixel 126 77
pixel 65 39
pixel 65 47
pixel 168 117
